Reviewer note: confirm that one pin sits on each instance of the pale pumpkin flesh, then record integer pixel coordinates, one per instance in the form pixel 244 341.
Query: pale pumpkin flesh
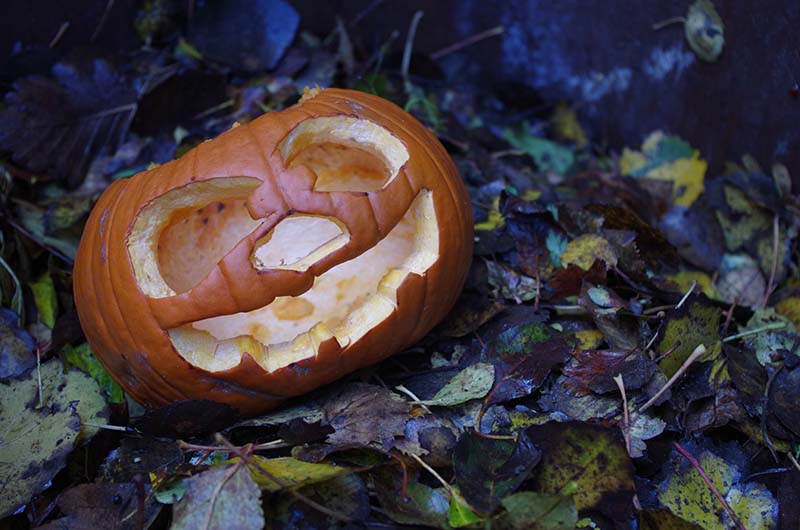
pixel 187 231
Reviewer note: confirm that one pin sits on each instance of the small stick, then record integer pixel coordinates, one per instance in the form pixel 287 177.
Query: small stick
pixel 686 296
pixel 102 22
pixel 39 374
pixel 436 475
pixel 413 396
pixel 776 229
pixel 696 465
pixel 699 351
pixel 60 33
pixel 412 32
pixel 626 428
pixel 766 327
pixel 668 22
pixel 469 41
pixel 120 428
pixel 795 463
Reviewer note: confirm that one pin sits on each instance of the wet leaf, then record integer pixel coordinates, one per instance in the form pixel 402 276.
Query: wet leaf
pixel 346 495
pixel 510 284
pixel 17 354
pixel 220 498
pixel 548 155
pixel 594 371
pixel 528 510
pixel 45 298
pixel 687 496
pixel 363 415
pixel 422 506
pixel 583 251
pixel 566 126
pixel 83 358
pixel 741 281
pixel 58 124
pixel 663 520
pixel 704 30
pixel 106 506
pixel 275 474
pixel 692 325
pixel 589 461
pixel 473 382
pixel 643 428
pixel 34 442
pixel 487 470
pixel 141 456
pixel 460 512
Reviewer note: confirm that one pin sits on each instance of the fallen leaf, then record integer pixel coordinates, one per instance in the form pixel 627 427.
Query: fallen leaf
pixel 473 382
pixel 594 371
pixel 82 357
pixel 45 298
pixel 548 155
pixel 693 324
pixel 510 284
pixel 34 442
pixel 16 347
pixel 347 495
pixel 487 470
pixel 106 506
pixel 588 460
pixel 566 126
pixel 366 415
pixel 741 281
pixel 275 474
pixel 584 250
pixel 704 30
pixel 422 505
pixel 687 496
pixel 663 520
pixel 220 498
pixel 528 510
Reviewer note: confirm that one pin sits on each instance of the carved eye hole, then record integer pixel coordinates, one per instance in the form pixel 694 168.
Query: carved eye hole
pixel 180 236
pixel 345 153
pixel 299 241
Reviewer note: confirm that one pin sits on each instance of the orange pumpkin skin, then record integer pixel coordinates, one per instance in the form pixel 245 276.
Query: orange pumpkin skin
pixel 128 329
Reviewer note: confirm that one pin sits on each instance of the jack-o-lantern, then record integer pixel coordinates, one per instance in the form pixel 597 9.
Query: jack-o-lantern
pixel 277 257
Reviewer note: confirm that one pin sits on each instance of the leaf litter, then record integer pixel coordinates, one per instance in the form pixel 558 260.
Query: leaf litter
pixel 555 396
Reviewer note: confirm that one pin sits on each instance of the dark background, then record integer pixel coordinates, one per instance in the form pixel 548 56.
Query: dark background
pixel 604 57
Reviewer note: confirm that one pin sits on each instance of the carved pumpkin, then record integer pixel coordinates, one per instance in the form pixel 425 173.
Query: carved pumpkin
pixel 277 257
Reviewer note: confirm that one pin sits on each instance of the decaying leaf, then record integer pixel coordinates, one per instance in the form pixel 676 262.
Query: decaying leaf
pixel 487 470
pixel 35 440
pixel 529 510
pixel 687 496
pixel 220 498
pixel 592 458
pixel 16 347
pixel 704 30
pixel 694 324
pixel 473 382
pixel 275 474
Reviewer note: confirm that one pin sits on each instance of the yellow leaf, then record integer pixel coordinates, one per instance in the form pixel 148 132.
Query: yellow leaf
pixel 687 176
pixel 291 473
pixel 566 126
pixel 495 220
pixel 584 250
pixel 790 308
pixel 684 280
pixel 631 161
pixel 531 195
pixel 589 339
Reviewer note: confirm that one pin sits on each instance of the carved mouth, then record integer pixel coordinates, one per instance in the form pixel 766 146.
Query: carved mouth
pixel 345 302
pixel 178 238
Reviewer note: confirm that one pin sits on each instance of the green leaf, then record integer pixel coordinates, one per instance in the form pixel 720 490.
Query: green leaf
pixel 460 513
pixel 46 299
pixel 687 328
pixel 82 357
pixel 473 382
pixel 422 506
pixel 548 155
pixel 171 492
pixel 529 510
pixel 291 473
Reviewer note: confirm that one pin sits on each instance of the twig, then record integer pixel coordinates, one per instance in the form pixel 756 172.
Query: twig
pixel 668 22
pixel 756 331
pixel 412 395
pixel 363 13
pixel 626 426
pixel 469 41
pixel 728 318
pixel 102 22
pixel 687 295
pixel 696 465
pixel 120 428
pixel 436 475
pixel 245 457
pixel 794 461
pixel 412 32
pixel 39 374
pixel 60 33
pixel 699 351
pixel 776 229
